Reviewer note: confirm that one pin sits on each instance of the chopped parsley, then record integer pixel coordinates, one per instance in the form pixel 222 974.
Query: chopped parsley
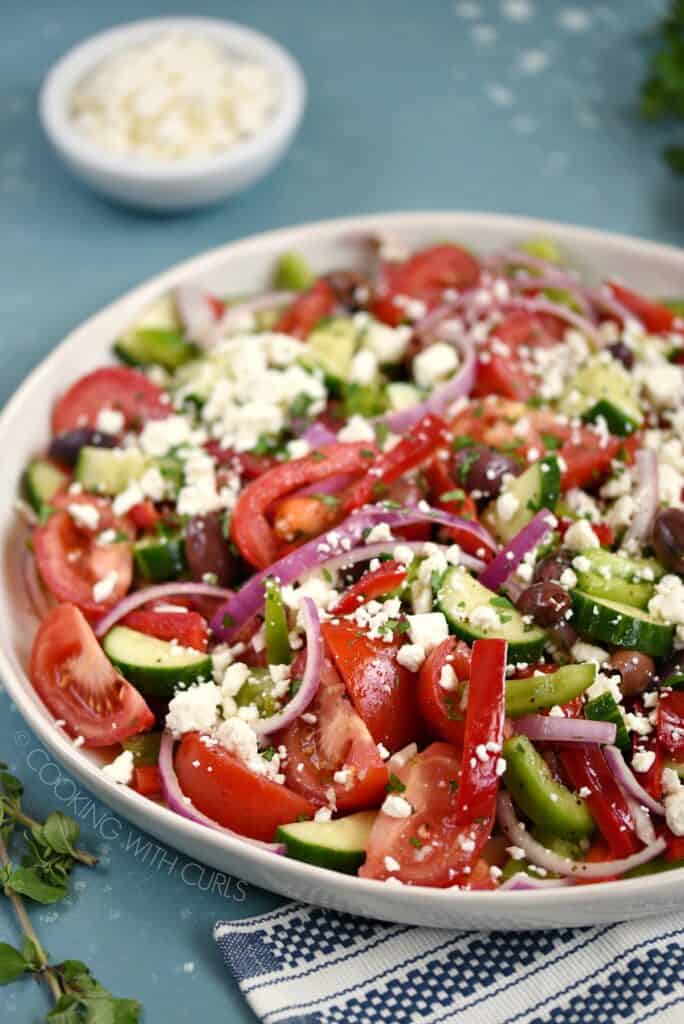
pixel 395 785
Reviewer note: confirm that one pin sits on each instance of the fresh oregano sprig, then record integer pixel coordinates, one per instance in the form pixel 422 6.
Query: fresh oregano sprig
pixel 662 93
pixel 49 853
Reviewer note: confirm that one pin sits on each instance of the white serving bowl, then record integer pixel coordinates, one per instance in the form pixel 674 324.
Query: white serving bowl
pixel 180 184
pixel 244 267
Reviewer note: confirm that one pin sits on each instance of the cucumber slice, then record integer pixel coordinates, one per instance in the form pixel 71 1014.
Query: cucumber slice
pixel 613 623
pixel 545 801
pixel 109 470
pixel 401 395
pixel 156 667
pixel 616 578
pixel 526 696
pixel 460 595
pixel 155 346
pixel 339 845
pixel 604 708
pixel 293 273
pixel 42 480
pixel 331 346
pixel 160 558
pixel 538 487
pixel 144 747
pixel 604 389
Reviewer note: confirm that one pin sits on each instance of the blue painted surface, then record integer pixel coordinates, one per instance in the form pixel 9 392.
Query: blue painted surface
pixel 515 106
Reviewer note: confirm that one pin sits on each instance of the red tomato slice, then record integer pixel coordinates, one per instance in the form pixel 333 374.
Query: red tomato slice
pixel 586 460
pixel 425 276
pixel 250 528
pixel 147 780
pixel 429 847
pixel 382 691
pixel 336 740
pixel 441 482
pixel 652 780
pixel 485 714
pixel 300 318
pixel 144 515
pixel 671 723
pixel 380 582
pixel 655 318
pixel 71 561
pixel 112 387
pixel 440 708
pixel 415 447
pixel 220 786
pixel 503 374
pixel 78 684
pixel 586 766
pixel 249 465
pixel 188 628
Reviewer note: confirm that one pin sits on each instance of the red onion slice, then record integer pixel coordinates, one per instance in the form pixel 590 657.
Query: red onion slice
pixel 318 435
pixel 441 398
pixel 646 498
pixel 580 323
pixel 509 558
pixel 337 542
pixel 643 826
pixel 234 313
pixel 195 311
pixel 565 866
pixel 310 679
pixel 565 730
pixel 628 782
pixel 134 600
pixel 562 282
pixel 419 547
pixel 176 800
pixel 522 882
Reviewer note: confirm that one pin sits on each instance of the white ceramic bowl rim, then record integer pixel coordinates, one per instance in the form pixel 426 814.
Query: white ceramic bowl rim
pixel 238 39
pixel 602 901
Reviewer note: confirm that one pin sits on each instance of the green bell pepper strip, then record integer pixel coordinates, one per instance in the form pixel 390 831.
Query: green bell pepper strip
pixel 548 803
pixel 534 693
pixel 278 650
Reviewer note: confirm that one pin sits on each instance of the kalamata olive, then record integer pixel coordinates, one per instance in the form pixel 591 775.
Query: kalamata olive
pixel 66 447
pixel 636 671
pixel 668 538
pixel 547 603
pixel 208 551
pixel 352 289
pixel 481 470
pixel 623 353
pixel 551 568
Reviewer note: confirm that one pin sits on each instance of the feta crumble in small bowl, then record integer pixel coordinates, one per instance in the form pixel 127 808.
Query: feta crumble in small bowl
pixel 173 113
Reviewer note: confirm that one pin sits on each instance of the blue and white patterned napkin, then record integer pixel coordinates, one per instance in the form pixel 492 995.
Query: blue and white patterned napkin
pixel 305 965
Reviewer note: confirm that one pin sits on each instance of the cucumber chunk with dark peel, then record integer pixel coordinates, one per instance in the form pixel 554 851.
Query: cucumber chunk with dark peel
pixel 604 708
pixel 156 667
pixel 338 845
pixel 630 581
pixel 160 558
pixel 155 346
pixel 42 480
pixel 109 470
pixel 622 625
pixel 537 488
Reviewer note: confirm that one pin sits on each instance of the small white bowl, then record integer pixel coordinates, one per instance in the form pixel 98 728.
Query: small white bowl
pixel 185 183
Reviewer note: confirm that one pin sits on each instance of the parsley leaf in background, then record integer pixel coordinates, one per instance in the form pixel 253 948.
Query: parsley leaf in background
pixel 662 93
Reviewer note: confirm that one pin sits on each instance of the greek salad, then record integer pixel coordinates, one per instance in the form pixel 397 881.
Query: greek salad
pixel 383 569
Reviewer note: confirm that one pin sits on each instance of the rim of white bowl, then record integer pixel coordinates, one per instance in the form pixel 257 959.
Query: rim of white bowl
pixel 603 896
pixel 243 41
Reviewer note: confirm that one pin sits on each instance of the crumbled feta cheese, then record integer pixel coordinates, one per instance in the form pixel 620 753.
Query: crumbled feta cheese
pixel 580 537
pixel 435 363
pixel 402 554
pixel 583 505
pixel 391 864
pixel 507 504
pixel 556 711
pixel 428 629
pixel 357 428
pixel 323 814
pixel 673 801
pixel 484 618
pixel 515 852
pixel 152 484
pixel 605 684
pixel 667 603
pixel 396 806
pixel 84 514
pixel 194 709
pixel 364 367
pixel 448 680
pixel 638 724
pixel 104 588
pixel 110 421
pixel 411 656
pixel 379 533
pixel 643 760
pixel 298 448
pixel 568 579
pixel 622 512
pixel 121 769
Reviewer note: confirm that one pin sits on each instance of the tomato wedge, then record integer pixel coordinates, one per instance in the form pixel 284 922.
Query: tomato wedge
pixel 440 483
pixel 586 766
pixel 336 740
pixel 220 786
pixel 655 318
pixel 671 723
pixel 300 318
pixel 144 515
pixel 147 780
pixel 424 276
pixel 414 448
pixel 250 528
pixel 428 847
pixel 585 460
pixel 187 627
pixel 652 780
pixel 78 684
pixel 380 582
pixel 382 691
pixel 484 724
pixel 70 559
pixel 112 387
pixel 440 708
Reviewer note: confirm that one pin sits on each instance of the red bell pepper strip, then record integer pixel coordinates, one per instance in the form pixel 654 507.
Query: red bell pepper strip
pixel 671 723
pixel 376 583
pixel 418 444
pixel 144 515
pixel 586 766
pixel 441 482
pixel 485 713
pixel 147 780
pixel 250 529
pixel 300 318
pixel 655 318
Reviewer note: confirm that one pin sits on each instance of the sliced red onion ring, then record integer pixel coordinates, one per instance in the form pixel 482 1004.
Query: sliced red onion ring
pixel 581 323
pixel 419 547
pixel 606 301
pixel 134 600
pixel 235 313
pixel 509 558
pixel 176 800
pixel 195 311
pixel 441 398
pixel 310 679
pixel 544 858
pixel 318 435
pixel 565 730
pixel 562 282
pixel 643 826
pixel 333 484
pixel 337 542
pixel 522 882
pixel 37 596
pixel 628 782
pixel 646 498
